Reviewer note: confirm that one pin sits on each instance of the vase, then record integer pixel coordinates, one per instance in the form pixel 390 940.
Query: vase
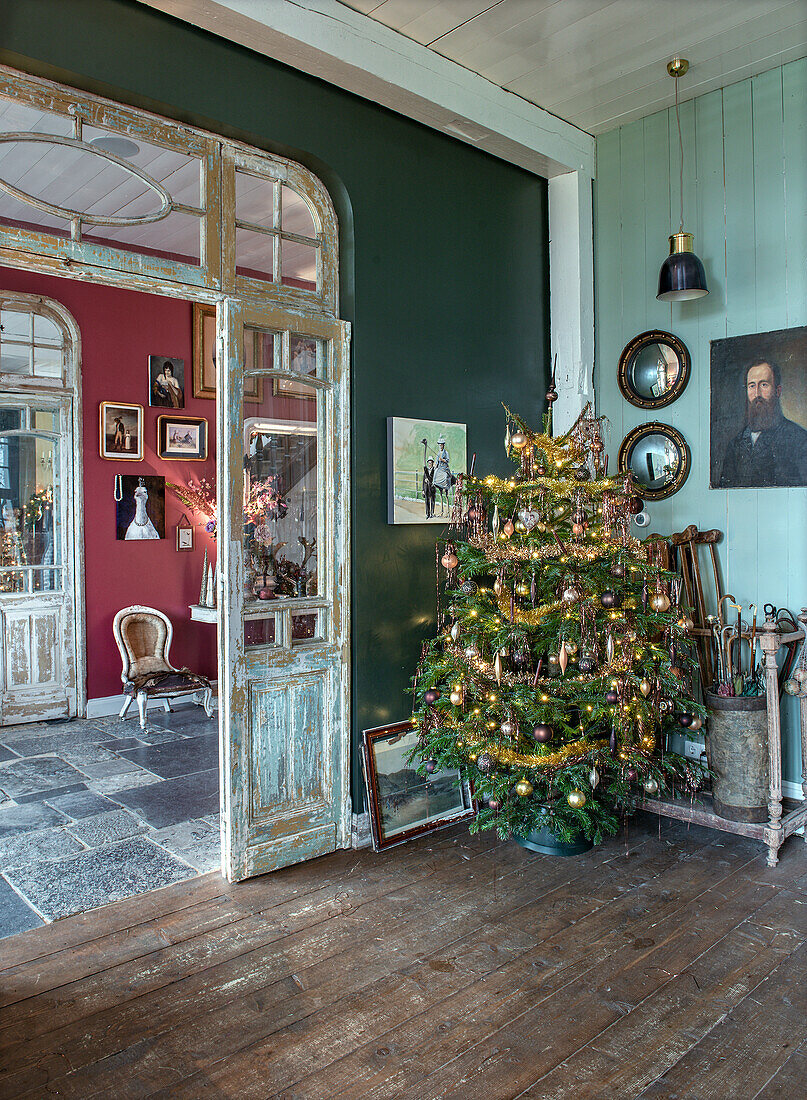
pixel 544 840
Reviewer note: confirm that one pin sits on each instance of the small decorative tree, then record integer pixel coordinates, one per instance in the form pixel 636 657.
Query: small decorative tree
pixel 559 667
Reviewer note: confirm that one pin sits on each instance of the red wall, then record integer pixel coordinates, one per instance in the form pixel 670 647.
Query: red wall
pixel 119 330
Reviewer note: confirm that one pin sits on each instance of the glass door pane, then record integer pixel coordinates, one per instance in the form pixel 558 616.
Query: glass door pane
pixel 281 489
pixel 30 539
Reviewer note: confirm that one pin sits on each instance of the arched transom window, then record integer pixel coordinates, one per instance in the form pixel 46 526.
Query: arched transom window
pixel 90 182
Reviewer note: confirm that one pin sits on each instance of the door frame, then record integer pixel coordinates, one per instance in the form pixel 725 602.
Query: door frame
pixel 73 459
pixel 213 282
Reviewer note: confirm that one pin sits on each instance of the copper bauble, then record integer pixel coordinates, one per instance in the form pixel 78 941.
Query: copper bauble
pixel 449 560
pixel 508 528
pixel 578 529
pixel 518 440
pixel 696 723
pixel 494 804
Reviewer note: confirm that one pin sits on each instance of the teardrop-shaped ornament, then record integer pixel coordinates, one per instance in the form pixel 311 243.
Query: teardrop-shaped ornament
pixel 497 668
pixel 507 439
pixel 609 648
pixel 593 778
pixel 533 588
pixel 455 631
pixel 496 520
pixel 645 687
pixel 563 658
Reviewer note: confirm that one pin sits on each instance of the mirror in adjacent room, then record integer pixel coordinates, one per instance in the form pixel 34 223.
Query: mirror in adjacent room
pixel 653 370
pixel 658 459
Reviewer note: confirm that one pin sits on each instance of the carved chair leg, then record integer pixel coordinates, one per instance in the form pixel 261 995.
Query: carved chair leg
pixel 142 701
pixel 773 855
pixel 126 704
pixel 206 703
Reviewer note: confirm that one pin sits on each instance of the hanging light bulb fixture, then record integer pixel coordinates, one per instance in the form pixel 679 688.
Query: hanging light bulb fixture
pixel 682 276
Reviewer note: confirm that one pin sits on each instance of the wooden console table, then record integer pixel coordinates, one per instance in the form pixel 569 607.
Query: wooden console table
pixel 783 818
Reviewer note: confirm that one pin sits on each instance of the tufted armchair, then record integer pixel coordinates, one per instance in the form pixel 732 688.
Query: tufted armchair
pixel 143 636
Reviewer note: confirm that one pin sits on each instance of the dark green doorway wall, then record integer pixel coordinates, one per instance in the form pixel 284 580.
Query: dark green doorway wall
pixel 445 272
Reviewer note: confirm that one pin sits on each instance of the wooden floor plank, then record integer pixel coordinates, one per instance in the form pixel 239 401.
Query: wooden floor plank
pixel 451 967
pixel 730 1058
pixel 412 990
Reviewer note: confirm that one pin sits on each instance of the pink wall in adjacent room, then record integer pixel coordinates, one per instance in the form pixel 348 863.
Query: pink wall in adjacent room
pixel 119 330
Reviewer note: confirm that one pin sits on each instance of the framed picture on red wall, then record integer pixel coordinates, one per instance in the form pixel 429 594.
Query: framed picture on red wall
pixel 121 431
pixel 182 438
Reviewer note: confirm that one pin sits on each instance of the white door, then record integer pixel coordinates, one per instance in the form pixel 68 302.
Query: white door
pixel 37 617
pixel 283 586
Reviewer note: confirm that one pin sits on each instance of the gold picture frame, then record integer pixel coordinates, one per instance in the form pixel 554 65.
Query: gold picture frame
pixel 204 357
pixel 120 431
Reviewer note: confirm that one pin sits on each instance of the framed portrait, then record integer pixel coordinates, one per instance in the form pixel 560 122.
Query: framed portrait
pixel 182 438
pixel 403 804
pixel 758 418
pixel 166 382
pixel 423 460
pixel 120 432
pixel 204 357
pixel 139 508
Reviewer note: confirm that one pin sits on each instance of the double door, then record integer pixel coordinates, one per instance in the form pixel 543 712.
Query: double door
pixel 283 586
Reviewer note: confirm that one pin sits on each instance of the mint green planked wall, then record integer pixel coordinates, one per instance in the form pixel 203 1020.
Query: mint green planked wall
pixel 745 198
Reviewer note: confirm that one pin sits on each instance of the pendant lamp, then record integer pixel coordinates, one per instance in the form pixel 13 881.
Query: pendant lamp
pixel 682 276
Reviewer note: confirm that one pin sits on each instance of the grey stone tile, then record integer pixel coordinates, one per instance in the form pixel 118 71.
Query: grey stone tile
pixel 38 773
pixel 86 754
pixel 196 754
pixel 126 781
pixel 158 737
pixel 24 819
pixel 98 876
pixel 7 754
pixel 48 740
pixel 174 800
pixel 106 828
pixel 15 914
pixel 45 796
pixel 197 842
pixel 100 769
pixel 122 743
pixel 81 804
pixel 191 720
pixel 43 844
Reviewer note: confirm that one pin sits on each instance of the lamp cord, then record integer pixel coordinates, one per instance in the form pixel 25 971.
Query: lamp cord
pixel 681 150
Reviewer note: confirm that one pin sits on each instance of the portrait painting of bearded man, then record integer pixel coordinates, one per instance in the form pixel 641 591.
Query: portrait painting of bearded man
pixel 759 410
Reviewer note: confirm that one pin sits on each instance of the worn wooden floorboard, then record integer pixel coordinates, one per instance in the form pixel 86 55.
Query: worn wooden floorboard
pixel 453 967
pixel 435 920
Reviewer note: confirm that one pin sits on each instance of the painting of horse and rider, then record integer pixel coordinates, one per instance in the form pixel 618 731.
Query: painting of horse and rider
pixel 423 460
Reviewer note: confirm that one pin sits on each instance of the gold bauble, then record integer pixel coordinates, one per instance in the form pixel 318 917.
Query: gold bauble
pixel 645 687
pixel 659 602
pixel 518 440
pixel 456 698
pixel 520 526
pixel 524 788
pixel 498 587
pixel 522 589
pixel 576 799
pixel 696 723
pixel 571 648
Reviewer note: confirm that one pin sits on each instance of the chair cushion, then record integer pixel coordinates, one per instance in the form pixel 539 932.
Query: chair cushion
pixel 164 683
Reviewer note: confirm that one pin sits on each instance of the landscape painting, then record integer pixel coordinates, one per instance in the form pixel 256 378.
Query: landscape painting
pixel 402 802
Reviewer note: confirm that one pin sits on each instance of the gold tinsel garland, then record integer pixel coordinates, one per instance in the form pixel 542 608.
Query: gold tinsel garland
pixel 559 485
pixel 498 550
pixel 547 760
pixel 533 617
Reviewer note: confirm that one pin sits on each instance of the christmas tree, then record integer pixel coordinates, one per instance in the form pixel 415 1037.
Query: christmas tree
pixel 560 664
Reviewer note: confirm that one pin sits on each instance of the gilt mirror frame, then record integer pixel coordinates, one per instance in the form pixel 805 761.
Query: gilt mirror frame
pixel 632 349
pixel 634 436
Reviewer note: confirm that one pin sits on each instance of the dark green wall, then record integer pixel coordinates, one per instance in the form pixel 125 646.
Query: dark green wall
pixel 444 255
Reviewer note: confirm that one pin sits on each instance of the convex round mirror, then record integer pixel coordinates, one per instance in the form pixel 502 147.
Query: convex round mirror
pixel 653 370
pixel 657 458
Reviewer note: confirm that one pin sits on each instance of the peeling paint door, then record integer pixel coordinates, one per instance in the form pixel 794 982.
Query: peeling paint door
pixel 283 586
pixel 37 644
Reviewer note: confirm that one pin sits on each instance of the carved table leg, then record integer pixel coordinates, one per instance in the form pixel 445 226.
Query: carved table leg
pixel 770 644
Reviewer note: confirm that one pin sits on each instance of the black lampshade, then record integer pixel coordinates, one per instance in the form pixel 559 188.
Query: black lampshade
pixel 682 276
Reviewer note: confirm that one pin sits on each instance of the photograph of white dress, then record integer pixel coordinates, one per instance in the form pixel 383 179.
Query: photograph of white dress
pixel 140 507
pixel 141 526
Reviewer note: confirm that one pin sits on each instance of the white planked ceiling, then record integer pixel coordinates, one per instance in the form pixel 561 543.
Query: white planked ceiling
pixel 601 63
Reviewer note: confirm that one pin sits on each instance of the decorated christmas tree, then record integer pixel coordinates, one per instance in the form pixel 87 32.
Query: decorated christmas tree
pixel 560 665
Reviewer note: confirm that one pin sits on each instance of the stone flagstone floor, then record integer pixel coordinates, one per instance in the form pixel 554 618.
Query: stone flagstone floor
pixel 93 811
